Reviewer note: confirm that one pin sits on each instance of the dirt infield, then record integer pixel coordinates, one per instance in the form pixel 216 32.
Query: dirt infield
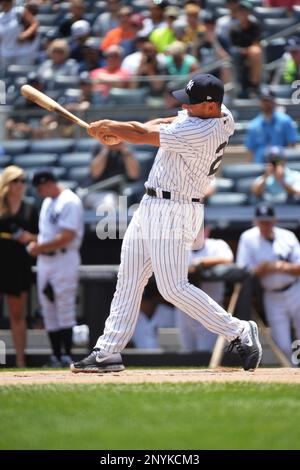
pixel 263 375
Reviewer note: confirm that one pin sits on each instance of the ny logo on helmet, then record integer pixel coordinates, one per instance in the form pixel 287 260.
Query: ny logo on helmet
pixel 190 85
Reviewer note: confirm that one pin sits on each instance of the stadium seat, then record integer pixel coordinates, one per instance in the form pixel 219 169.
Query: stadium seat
pixel 272 26
pixel 292 155
pixel 213 4
pixel 86 145
pixel 127 97
pixel 69 184
pixel 78 174
pixel 62 82
pixel 48 19
pixel 274 49
pixel 144 148
pixel 35 160
pixel 228 199
pixel 57 146
pixel 294 166
pixel 14 71
pixel 5 160
pixel 223 185
pixel 270 12
pixel 296 12
pixel 75 159
pixel 14 147
pixel 282 91
pixel 247 170
pixel 244 185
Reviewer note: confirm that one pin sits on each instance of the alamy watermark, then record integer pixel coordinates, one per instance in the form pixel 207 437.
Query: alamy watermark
pixel 295 97
pixel 2 353
pixel 2 92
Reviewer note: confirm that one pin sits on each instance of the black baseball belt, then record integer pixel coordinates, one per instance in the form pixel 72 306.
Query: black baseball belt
pixel 57 252
pixel 168 195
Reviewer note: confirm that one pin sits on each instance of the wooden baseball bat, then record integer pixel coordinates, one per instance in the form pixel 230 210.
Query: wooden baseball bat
pixel 44 101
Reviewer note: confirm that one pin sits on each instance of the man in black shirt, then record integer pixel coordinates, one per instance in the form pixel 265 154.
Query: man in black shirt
pixel 245 38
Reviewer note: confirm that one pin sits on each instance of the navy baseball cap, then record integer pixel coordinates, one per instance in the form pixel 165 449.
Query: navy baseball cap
pixel 275 153
pixel 43 176
pixel 203 87
pixel 264 211
pixel 265 93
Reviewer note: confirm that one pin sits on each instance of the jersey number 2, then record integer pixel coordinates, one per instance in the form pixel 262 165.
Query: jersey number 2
pixel 216 163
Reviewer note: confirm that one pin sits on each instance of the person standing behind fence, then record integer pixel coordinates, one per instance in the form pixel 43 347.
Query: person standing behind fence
pixel 18 226
pixel 57 249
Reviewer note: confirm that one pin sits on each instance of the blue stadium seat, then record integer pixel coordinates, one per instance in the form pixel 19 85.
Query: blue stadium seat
pixel 5 160
pixel 57 146
pixel 282 91
pixel 75 159
pixel 134 192
pixel 244 185
pixel 143 148
pixel 292 155
pixel 62 82
pixel 223 185
pixel 48 19
pixel 78 174
pixel 14 71
pixel 247 170
pixel 35 160
pixel 86 145
pixel 228 199
pixel 294 166
pixel 14 147
pixel 127 96
pixel 270 12
pixel 69 184
pixel 272 26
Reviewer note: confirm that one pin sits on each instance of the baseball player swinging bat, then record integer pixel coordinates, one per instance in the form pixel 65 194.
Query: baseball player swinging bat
pixel 48 103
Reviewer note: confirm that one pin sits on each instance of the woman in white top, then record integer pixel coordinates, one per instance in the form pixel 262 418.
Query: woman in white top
pixel 18 35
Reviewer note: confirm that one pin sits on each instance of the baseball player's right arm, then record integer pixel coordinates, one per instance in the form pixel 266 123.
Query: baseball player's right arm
pixel 133 132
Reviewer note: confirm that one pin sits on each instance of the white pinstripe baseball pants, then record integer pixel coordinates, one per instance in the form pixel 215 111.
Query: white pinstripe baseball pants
pixel 158 241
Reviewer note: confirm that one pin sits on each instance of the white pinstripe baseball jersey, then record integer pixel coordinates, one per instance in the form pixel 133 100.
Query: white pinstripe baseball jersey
pixel 190 153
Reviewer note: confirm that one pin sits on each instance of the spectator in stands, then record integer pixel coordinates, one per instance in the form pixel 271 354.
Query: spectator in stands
pixel 278 181
pixel 208 49
pixel 77 12
pixel 291 66
pixel 80 32
pixel 270 128
pixel 226 23
pixel 114 160
pixel 153 315
pixel 178 62
pixel 123 32
pixel 193 335
pixel 272 254
pixel 247 51
pixel 58 63
pixel 136 24
pixel 92 58
pixel 156 19
pixel 151 65
pixel 107 20
pixel 163 37
pixel 109 161
pixel 19 41
pixel 194 26
pixel 112 74
pixel 18 227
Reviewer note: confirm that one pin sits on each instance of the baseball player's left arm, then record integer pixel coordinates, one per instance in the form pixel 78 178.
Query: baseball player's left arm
pixel 60 241
pixel 132 131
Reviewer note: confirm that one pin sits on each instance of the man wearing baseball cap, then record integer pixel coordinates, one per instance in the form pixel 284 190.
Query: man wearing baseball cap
pixel 291 70
pixel 273 255
pixel 57 250
pixel 168 221
pixel 270 128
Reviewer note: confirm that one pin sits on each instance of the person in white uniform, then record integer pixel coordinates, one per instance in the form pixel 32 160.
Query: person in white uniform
pixel 169 217
pixel 57 248
pixel 193 335
pixel 273 255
